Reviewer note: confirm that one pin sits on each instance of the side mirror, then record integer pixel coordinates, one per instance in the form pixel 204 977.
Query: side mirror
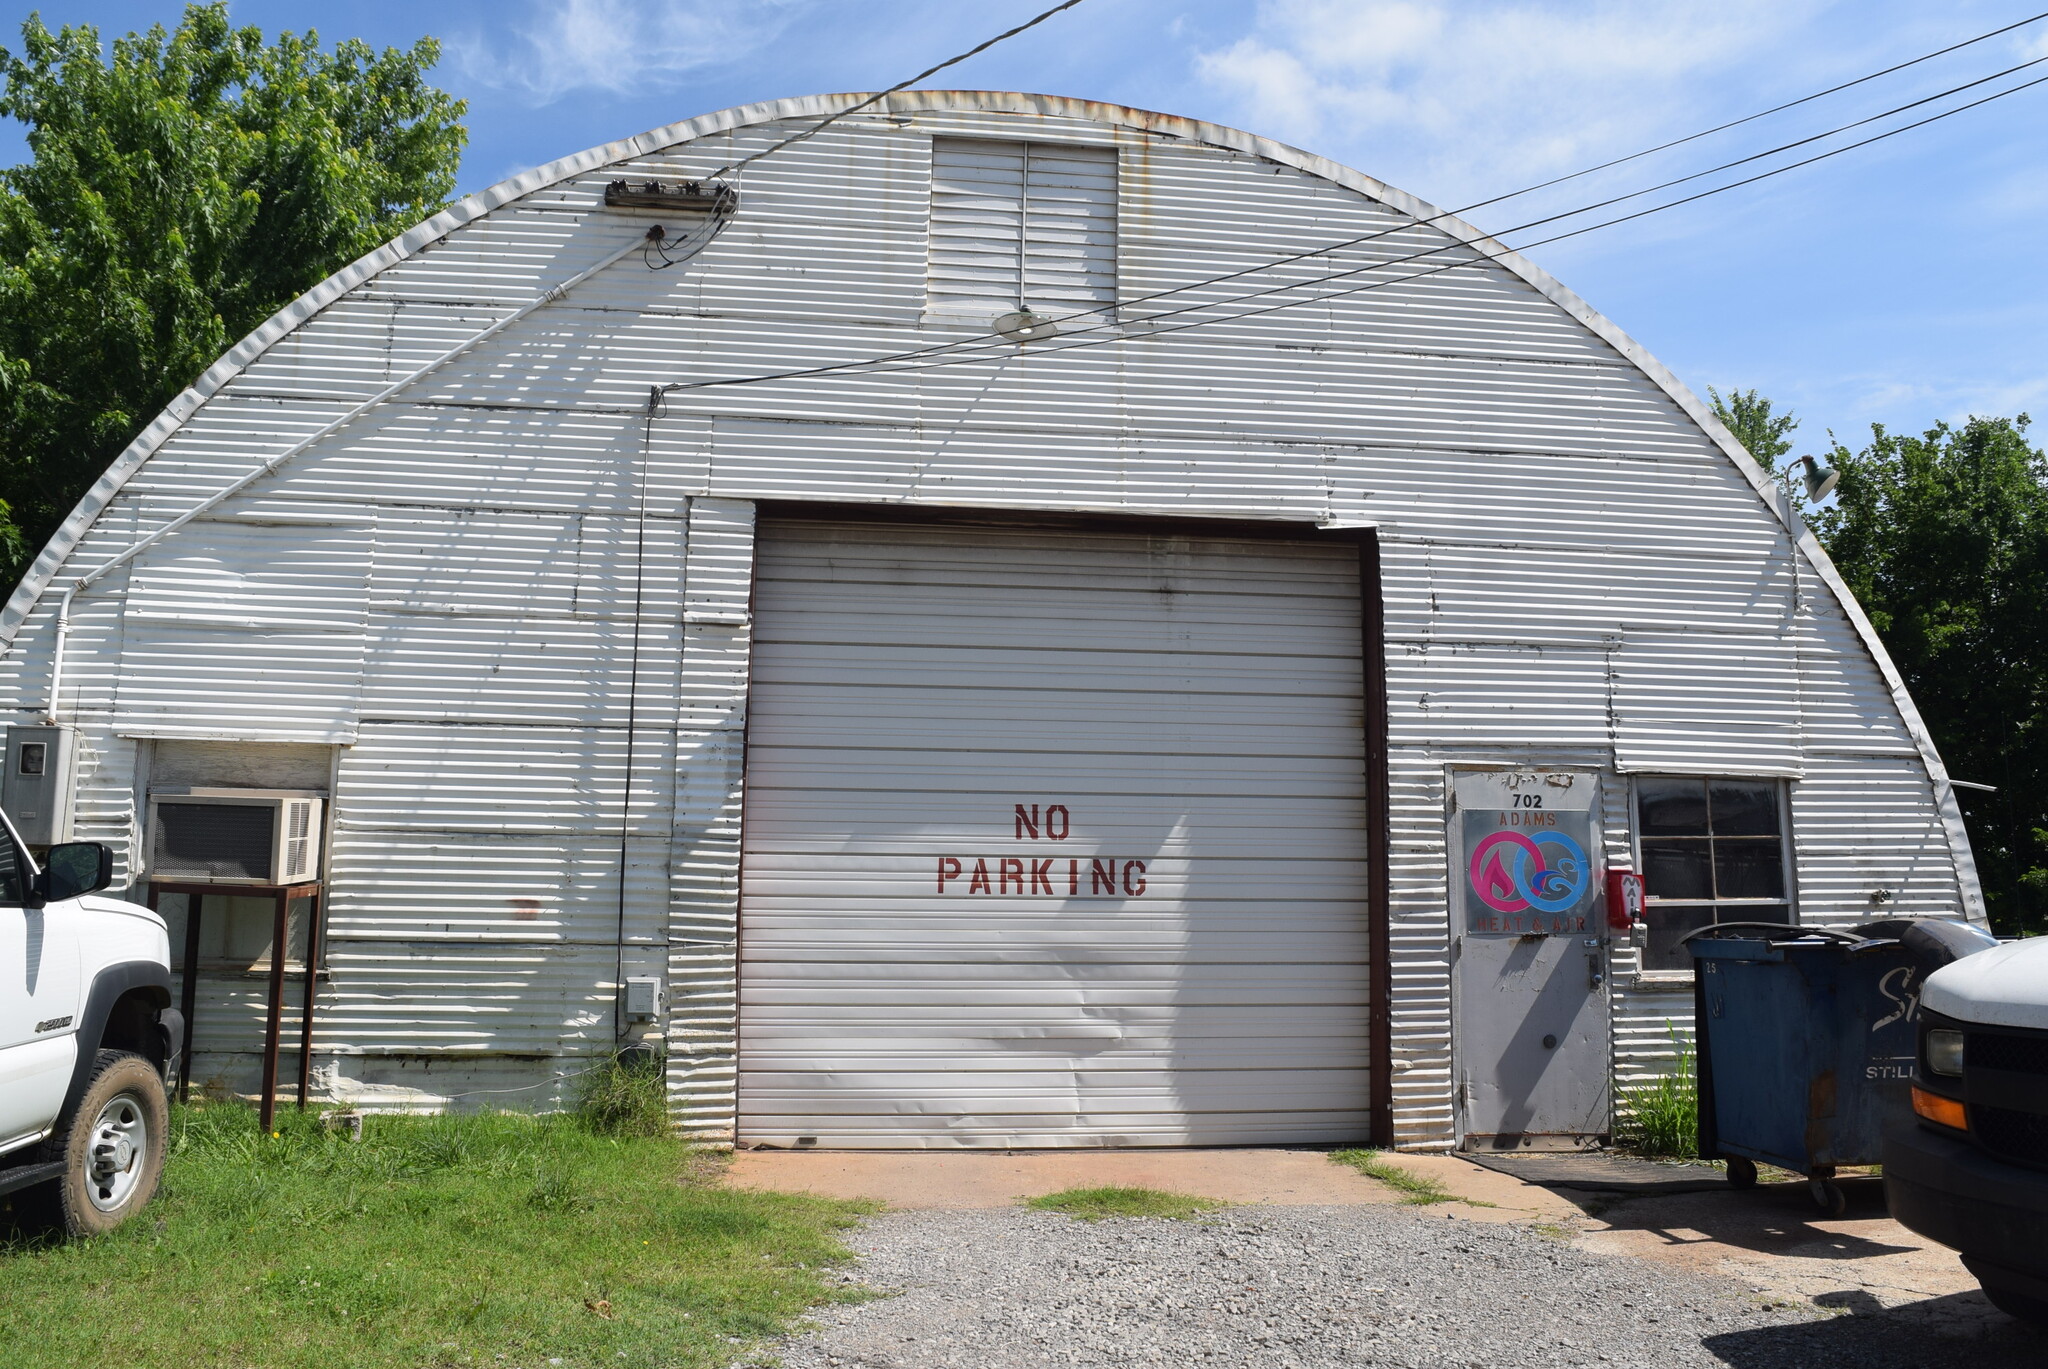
pixel 76 867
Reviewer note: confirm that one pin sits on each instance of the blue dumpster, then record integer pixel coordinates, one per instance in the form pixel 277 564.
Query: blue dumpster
pixel 1806 1040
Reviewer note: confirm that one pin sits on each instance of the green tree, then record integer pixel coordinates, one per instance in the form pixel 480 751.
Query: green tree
pixel 181 188
pixel 1944 539
pixel 1748 415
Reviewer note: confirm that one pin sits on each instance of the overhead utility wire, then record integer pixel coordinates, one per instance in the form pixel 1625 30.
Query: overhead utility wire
pixel 1760 114
pixel 984 348
pixel 1560 237
pixel 876 99
pixel 944 348
pixel 1483 255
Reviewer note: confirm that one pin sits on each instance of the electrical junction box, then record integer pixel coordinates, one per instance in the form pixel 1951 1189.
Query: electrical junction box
pixel 644 998
pixel 37 788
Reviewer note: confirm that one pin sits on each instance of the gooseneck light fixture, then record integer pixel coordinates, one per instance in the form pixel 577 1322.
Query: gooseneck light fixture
pixel 1820 480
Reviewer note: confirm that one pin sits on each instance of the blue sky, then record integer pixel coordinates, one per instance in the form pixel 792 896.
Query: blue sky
pixel 1904 283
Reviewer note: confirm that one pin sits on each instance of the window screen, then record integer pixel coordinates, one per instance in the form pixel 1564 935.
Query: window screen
pixel 1713 851
pixel 1021 225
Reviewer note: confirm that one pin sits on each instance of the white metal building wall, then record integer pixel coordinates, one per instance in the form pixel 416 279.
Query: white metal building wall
pixel 1581 566
pixel 1053 838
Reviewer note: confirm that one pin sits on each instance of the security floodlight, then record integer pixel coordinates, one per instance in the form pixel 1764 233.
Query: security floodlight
pixel 1820 480
pixel 1024 326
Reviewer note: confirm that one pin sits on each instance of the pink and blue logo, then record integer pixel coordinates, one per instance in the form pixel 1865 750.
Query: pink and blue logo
pixel 1513 873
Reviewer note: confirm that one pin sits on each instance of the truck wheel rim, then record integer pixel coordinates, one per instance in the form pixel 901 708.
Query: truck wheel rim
pixel 116 1152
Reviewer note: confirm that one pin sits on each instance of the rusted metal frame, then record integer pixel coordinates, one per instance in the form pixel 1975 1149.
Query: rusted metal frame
pixel 188 989
pixel 273 1024
pixel 1379 839
pixel 284 895
pixel 316 916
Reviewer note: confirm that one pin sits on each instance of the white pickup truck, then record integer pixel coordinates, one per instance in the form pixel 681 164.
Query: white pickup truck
pixel 1970 1167
pixel 88 1038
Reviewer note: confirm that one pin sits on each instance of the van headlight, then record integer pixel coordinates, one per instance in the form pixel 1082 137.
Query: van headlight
pixel 1945 1052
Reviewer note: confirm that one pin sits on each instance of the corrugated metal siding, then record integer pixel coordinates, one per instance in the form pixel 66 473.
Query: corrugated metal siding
pixel 1191 703
pixel 704 871
pixel 1577 572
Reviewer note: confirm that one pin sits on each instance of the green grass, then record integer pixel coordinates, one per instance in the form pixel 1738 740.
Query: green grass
pixel 1093 1204
pixel 1416 1190
pixel 1661 1119
pixel 489 1239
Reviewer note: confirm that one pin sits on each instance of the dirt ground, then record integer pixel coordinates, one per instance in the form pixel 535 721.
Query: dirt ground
pixel 1771 1238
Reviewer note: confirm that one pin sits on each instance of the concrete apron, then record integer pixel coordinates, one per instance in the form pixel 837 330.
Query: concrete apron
pixel 1771 1238
pixel 956 1180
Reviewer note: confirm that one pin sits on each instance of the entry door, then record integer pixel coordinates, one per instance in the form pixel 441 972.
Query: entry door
pixel 1530 996
pixel 1052 838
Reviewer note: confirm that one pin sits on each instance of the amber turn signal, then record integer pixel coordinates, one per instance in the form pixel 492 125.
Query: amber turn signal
pixel 1935 1108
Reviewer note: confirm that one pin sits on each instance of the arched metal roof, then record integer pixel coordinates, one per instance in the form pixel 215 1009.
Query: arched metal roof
pixel 477 206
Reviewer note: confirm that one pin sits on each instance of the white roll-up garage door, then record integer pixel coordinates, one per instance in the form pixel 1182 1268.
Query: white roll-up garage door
pixel 1052 838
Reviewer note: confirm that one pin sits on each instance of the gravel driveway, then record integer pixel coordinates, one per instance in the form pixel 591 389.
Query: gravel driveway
pixel 1328 1286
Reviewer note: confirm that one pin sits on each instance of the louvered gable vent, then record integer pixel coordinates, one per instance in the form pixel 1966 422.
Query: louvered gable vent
pixel 1021 225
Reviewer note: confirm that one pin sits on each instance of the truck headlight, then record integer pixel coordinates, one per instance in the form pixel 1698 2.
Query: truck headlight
pixel 1945 1052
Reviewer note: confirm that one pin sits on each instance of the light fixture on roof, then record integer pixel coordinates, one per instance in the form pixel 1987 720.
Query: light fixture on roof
pixel 1820 480
pixel 1021 325
pixel 688 197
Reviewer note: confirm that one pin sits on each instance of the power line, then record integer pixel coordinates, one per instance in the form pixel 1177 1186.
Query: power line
pixel 945 348
pixel 1483 256
pixel 1760 114
pixel 873 100
pixel 1590 228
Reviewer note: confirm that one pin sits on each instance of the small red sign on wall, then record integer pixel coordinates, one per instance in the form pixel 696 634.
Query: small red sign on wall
pixel 1624 899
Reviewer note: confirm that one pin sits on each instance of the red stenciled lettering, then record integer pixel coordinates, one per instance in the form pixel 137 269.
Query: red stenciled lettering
pixel 1073 876
pixel 1007 870
pixel 1057 813
pixel 1101 877
pixel 1139 887
pixel 979 883
pixel 1027 822
pixel 1041 874
pixel 949 868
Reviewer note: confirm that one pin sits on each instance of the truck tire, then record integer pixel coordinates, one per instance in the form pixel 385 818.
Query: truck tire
pixel 113 1146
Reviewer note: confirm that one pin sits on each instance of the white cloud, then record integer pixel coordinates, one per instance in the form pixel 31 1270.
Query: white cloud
pixel 569 45
pixel 1458 100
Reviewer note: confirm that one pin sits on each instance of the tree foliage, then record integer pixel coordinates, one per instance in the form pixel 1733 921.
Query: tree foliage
pixel 1944 539
pixel 1748 415
pixel 183 186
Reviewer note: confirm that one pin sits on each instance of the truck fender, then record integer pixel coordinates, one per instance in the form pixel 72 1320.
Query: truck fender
pixel 109 986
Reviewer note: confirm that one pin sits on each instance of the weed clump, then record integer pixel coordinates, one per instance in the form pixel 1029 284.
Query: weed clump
pixel 1661 1119
pixel 1416 1190
pixel 1094 1204
pixel 625 1096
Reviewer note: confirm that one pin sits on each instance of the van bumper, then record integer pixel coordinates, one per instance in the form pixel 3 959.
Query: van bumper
pixel 1989 1211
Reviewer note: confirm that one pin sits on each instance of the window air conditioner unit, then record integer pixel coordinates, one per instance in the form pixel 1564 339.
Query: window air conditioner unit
pixel 235 836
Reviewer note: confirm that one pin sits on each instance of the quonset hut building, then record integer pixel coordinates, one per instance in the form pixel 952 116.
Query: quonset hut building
pixel 1093 731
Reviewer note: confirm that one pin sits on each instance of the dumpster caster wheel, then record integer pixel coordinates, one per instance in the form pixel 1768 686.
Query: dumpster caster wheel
pixel 1828 1196
pixel 1741 1172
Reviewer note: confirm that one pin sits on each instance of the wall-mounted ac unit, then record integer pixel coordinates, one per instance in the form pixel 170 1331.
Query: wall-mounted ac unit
pixel 235 836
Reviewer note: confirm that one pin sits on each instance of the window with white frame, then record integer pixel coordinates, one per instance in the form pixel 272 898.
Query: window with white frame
pixel 1713 850
pixel 1021 226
